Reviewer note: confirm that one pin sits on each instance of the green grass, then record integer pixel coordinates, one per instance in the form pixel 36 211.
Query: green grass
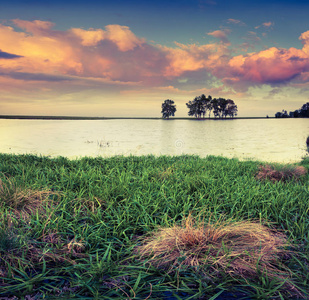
pixel 78 240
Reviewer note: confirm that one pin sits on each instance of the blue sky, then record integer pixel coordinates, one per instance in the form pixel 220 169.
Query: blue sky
pixel 124 58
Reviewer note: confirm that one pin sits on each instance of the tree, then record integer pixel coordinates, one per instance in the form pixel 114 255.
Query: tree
pixel 296 113
pixel 209 105
pixel 215 107
pixel 199 106
pixel 222 104
pixel 230 109
pixel 192 108
pixel 304 111
pixel 283 114
pixel 168 109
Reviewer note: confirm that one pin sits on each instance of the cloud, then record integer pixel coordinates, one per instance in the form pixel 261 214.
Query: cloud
pixel 268 24
pixel 45 51
pixel 114 56
pixel 271 66
pixel 35 27
pixel 7 55
pixel 304 37
pixel 89 37
pixel 121 36
pixel 237 22
pixel 221 35
pixel 194 57
pixel 112 53
pixel 252 37
pixel 274 92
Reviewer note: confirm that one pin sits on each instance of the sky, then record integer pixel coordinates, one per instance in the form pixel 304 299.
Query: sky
pixel 124 58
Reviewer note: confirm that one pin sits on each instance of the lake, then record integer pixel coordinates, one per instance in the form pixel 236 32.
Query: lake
pixel 273 140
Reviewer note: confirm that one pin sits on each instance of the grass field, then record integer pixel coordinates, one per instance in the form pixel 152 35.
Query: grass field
pixel 152 228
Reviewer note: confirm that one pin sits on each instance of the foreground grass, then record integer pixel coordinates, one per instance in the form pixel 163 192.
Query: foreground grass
pixel 70 229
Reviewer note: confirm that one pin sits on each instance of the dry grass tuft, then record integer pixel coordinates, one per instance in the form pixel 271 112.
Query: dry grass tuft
pixel 280 174
pixel 23 202
pixel 236 248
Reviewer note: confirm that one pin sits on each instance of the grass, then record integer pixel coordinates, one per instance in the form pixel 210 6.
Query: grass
pixel 99 228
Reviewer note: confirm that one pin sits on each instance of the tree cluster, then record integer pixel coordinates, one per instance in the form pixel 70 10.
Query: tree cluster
pixel 201 105
pixel 303 112
pixel 220 107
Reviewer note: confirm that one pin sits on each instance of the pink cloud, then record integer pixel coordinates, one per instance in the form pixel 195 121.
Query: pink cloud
pixel 271 66
pixel 35 27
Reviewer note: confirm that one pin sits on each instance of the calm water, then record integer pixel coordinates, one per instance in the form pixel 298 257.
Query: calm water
pixel 277 140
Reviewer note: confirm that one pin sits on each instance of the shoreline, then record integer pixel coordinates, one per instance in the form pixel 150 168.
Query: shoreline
pixel 25 117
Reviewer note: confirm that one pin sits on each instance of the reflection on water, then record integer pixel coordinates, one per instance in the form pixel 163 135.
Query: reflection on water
pixel 281 140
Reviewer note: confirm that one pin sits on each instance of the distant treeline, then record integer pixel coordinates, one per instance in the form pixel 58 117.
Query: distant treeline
pixel 303 112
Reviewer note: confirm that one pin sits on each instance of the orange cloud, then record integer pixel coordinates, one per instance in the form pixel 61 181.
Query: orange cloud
pixel 304 37
pixel 193 57
pixel 122 36
pixel 40 53
pixel 114 53
pixel 89 37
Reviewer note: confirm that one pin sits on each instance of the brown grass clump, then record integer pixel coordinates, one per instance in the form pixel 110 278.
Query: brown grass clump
pixel 235 248
pixel 22 202
pixel 280 174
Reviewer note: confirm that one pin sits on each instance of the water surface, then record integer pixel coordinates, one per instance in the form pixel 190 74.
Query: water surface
pixel 277 140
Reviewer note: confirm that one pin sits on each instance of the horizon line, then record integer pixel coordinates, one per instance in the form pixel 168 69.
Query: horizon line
pixel 35 117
